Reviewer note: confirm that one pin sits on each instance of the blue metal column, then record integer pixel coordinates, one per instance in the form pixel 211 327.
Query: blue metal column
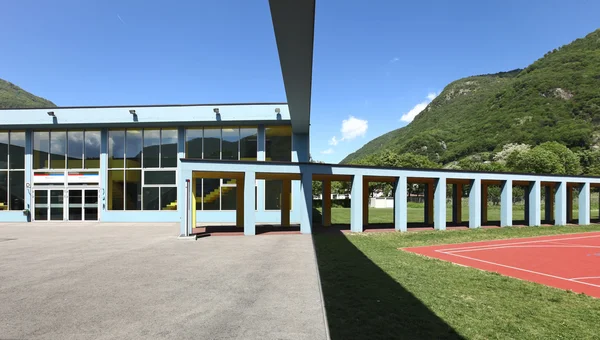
pixel 181 199
pixel 400 205
pixel 28 171
pixel 506 204
pixel 584 204
pixel 356 204
pixel 439 205
pixel 182 205
pixel 103 171
pixel 534 199
pixel 305 202
pixel 475 204
pixel 560 204
pixel 249 213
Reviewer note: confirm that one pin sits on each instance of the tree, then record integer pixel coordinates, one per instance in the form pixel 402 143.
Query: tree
pixel 537 160
pixel 567 158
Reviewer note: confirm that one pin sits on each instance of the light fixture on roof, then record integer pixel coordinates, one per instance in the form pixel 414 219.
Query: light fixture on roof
pixel 277 110
pixel 216 111
pixel 132 112
pixel 51 114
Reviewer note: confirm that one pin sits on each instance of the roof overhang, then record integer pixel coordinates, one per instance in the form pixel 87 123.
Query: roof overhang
pixel 294 25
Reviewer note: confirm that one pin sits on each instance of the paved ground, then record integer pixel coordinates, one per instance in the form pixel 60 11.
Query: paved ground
pixel 103 281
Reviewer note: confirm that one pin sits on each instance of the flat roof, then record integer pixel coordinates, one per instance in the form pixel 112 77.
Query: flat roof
pixel 130 106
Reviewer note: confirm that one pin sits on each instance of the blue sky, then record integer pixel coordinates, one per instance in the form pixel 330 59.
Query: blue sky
pixel 375 61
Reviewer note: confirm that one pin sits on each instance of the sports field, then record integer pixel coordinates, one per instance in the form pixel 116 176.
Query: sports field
pixel 372 290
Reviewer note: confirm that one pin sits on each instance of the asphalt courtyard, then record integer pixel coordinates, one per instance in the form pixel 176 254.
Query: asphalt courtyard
pixel 134 281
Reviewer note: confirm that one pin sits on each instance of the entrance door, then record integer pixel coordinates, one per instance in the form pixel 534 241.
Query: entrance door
pixel 49 205
pixel 83 205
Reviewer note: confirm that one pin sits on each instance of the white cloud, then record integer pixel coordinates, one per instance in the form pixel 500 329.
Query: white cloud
pixel 395 59
pixel 333 141
pixel 354 127
pixel 327 152
pixel 410 115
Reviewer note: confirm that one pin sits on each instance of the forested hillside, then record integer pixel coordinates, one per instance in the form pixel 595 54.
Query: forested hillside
pixel 12 96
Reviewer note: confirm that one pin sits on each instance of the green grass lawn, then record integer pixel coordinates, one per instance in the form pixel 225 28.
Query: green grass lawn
pixel 416 214
pixel 374 291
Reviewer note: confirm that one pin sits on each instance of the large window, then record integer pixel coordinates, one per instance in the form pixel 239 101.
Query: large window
pixel 278 140
pixel 12 170
pixel 227 143
pixel 73 149
pixel 142 169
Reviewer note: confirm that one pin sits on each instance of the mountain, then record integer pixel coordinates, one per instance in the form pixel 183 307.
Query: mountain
pixel 557 98
pixel 12 96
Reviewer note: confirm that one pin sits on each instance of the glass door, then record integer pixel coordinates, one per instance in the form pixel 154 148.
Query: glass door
pixel 48 205
pixel 40 205
pixel 57 205
pixel 83 204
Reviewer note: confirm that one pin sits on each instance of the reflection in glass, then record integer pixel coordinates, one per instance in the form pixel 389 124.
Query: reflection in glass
pixel 248 144
pixel 133 149
pixel 168 198
pixel 230 144
pixel 41 147
pixel 133 190
pixel 151 199
pixel 3 150
pixel 279 143
pixel 17 190
pixel 211 192
pixel 92 149
pixel 58 149
pixel 168 148
pixel 228 198
pixel 193 143
pixel 17 150
pixel 116 148
pixel 75 143
pixel 273 189
pixel 151 148
pixel 212 143
pixel 116 189
pixel 159 177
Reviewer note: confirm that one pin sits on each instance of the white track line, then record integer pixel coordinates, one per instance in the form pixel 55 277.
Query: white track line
pixel 585 278
pixel 524 270
pixel 517 243
pixel 517 246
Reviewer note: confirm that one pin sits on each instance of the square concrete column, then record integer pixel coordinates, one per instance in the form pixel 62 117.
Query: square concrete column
pixel 326 213
pixel 356 204
pixel 305 204
pixel 569 203
pixel 439 215
pixel 584 204
pixel 506 204
pixel 457 192
pixel 534 217
pixel 400 206
pixel 286 201
pixel 429 193
pixel 365 192
pixel 560 204
pixel 484 203
pixel 475 204
pixel 246 203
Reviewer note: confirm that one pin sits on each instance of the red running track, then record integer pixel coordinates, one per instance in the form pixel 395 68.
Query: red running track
pixel 570 261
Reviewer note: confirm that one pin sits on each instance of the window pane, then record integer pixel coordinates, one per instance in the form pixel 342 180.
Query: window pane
pixel 133 189
pixel 151 199
pixel 168 148
pixel 116 189
pixel 133 149
pixel 168 198
pixel 58 148
pixel 193 143
pixel 198 194
pixel 279 143
pixel 228 198
pixel 17 150
pixel 116 148
pixel 273 189
pixel 92 149
pixel 151 148
pixel 211 193
pixel 75 149
pixel 159 177
pixel 231 138
pixel 41 147
pixel 17 190
pixel 3 191
pixel 212 143
pixel 3 150
pixel 248 144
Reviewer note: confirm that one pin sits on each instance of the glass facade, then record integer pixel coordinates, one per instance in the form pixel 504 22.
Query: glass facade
pixel 12 170
pixel 62 149
pixel 278 140
pixel 142 169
